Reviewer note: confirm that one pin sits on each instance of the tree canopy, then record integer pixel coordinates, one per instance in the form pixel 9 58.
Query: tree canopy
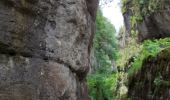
pixel 102 81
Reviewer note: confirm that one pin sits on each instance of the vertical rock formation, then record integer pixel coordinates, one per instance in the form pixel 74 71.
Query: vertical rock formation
pixel 44 48
pixel 152 82
pixel 149 19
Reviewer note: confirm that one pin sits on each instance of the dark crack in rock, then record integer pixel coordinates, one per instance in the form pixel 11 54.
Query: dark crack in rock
pixel 44 48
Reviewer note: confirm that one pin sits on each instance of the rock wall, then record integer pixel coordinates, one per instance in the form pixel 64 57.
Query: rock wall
pixel 151 18
pixel 152 82
pixel 155 26
pixel 44 48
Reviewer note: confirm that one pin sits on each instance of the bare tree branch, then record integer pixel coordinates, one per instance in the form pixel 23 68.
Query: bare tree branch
pixel 105 2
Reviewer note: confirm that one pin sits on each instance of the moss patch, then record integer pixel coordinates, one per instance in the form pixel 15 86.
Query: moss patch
pixel 150 48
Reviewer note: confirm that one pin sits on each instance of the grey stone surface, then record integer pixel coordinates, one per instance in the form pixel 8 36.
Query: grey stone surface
pixel 44 48
pixel 155 26
pixel 152 81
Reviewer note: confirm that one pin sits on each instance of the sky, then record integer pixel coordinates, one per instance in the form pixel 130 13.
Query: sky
pixel 113 13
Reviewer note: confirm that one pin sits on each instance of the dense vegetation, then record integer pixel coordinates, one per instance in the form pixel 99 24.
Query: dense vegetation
pixel 132 57
pixel 113 64
pixel 138 10
pixel 149 48
pixel 102 80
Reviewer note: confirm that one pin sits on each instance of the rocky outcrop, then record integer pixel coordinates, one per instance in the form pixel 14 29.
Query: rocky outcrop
pixel 155 26
pixel 152 82
pixel 126 16
pixel 44 48
pixel 122 38
pixel 150 18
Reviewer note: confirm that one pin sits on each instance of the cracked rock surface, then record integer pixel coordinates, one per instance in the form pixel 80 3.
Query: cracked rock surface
pixel 44 48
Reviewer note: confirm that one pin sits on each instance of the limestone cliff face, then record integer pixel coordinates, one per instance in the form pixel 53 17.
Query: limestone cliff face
pixel 44 48
pixel 155 26
pixel 151 18
pixel 152 82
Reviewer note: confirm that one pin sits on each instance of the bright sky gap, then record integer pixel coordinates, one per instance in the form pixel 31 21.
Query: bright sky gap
pixel 113 13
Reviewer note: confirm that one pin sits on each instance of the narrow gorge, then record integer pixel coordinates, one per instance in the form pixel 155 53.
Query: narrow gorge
pixel 69 50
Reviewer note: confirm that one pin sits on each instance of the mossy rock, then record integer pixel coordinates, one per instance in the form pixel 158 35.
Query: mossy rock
pixel 152 81
pixel 165 53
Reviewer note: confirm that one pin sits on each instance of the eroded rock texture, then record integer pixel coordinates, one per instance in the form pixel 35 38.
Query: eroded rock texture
pixel 152 24
pixel 155 26
pixel 44 48
pixel 152 82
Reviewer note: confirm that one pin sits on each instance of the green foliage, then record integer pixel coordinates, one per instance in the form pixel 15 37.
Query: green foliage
pixel 139 52
pixel 131 49
pixel 101 81
pixel 149 48
pixel 105 46
pixel 138 9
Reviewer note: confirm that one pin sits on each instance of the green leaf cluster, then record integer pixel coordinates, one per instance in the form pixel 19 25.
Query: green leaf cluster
pixel 149 48
pixel 105 46
pixel 102 81
pixel 102 87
